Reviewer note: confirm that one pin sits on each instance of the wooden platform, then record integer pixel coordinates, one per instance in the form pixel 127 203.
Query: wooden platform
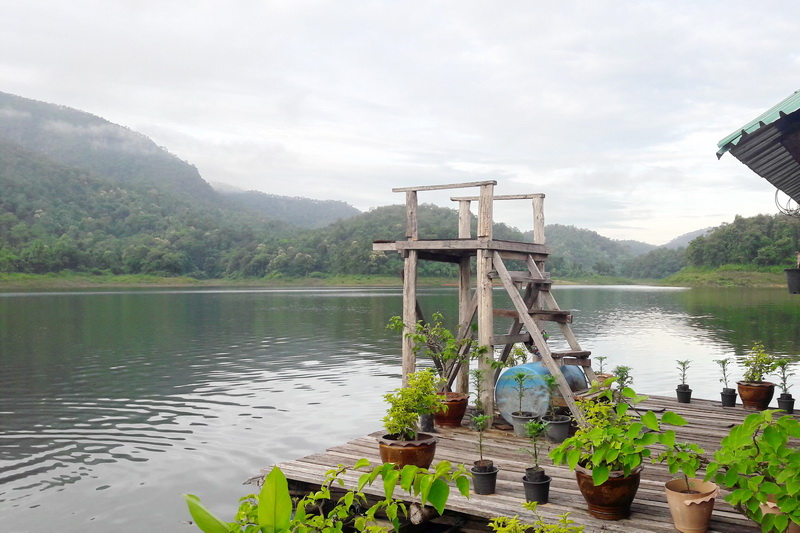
pixel 708 422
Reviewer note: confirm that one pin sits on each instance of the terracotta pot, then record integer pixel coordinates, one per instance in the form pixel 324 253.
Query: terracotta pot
pixel 451 417
pixel 772 508
pixel 755 395
pixel 610 500
pixel 691 513
pixel 418 452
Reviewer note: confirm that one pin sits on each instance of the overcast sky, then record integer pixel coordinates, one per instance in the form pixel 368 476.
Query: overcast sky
pixel 612 109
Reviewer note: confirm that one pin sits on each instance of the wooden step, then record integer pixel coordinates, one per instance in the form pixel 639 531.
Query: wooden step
pixel 550 315
pixel 523 276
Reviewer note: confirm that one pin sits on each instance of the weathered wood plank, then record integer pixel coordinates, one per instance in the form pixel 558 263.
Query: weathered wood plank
pixel 443 187
pixel 708 423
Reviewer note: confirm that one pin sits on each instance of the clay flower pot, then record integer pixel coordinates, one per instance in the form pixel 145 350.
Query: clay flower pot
pixel 756 395
pixel 610 500
pixel 451 417
pixel 417 452
pixel 691 513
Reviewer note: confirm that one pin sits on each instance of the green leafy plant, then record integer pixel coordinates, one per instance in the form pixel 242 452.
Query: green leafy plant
pixel 476 376
pixel 682 458
pixel 601 362
pixel 506 524
pixel 418 397
pixel 723 365
pixel 782 366
pixel 759 461
pixel 520 379
pixel 758 364
pixel 611 439
pixel 435 341
pixel 623 376
pixel 683 366
pixel 481 424
pixel 273 510
pixel 534 430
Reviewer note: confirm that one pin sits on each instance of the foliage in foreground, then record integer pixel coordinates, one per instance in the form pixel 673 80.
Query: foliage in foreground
pixel 274 511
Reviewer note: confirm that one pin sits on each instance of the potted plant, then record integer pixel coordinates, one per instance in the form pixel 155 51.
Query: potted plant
pixel 484 473
pixel 728 394
pixel 535 480
pixel 608 449
pixel 754 391
pixel 759 462
pixel 476 376
pixel 690 500
pixel 785 400
pixel 683 391
pixel 434 341
pixel 793 277
pixel 557 424
pixel 601 373
pixel 519 417
pixel 513 524
pixel 404 444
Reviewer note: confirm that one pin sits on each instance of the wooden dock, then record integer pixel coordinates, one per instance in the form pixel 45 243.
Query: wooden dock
pixel 708 423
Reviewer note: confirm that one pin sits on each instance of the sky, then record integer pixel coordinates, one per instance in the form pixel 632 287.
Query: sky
pixel 612 109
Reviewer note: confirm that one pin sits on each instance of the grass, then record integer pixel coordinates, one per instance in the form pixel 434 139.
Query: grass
pixel 725 276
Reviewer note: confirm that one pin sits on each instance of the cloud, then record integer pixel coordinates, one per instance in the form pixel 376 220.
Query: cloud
pixel 611 109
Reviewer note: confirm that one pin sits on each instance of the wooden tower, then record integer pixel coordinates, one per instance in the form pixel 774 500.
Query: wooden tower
pixel 529 288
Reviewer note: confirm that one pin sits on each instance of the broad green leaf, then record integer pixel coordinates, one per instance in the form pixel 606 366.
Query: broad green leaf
pixel 274 503
pixel 773 436
pixel 769 488
pixel 649 419
pixel 408 474
pixel 362 481
pixel 673 419
pixel 390 482
pixel 425 487
pixel 203 518
pixel 462 484
pixel 438 494
pixel 600 474
pixel 667 438
pixel 361 463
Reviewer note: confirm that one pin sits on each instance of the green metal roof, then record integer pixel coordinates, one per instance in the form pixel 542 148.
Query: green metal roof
pixel 770 146
pixel 789 105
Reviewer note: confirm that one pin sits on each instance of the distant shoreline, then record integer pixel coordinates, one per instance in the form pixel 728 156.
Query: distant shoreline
pixel 722 277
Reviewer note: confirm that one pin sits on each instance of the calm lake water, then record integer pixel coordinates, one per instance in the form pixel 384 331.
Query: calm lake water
pixel 114 403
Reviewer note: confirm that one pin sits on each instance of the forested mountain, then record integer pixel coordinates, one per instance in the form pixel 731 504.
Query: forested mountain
pixel 79 193
pixel 762 240
pixel 302 212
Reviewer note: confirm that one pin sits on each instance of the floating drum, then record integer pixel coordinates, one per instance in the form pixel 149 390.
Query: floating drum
pixel 537 397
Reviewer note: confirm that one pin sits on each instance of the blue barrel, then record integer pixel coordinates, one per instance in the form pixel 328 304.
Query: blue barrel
pixel 537 396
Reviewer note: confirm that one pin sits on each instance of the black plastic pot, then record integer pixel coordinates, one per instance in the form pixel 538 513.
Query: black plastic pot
pixel 483 465
pixel 537 491
pixel 557 427
pixel 684 394
pixel 786 402
pixel 728 397
pixel 484 482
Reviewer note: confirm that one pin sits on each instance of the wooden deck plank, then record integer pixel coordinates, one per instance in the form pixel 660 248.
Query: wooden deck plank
pixel 708 423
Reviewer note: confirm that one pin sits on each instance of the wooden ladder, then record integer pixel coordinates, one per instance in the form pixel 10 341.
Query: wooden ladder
pixel 534 306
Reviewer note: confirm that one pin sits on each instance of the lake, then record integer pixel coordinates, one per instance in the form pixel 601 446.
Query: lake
pixel 114 403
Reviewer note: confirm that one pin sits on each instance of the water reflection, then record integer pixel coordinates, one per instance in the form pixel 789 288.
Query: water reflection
pixel 140 396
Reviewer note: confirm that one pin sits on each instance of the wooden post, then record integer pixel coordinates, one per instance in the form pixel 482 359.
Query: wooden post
pixel 409 312
pixel 464 216
pixel 484 289
pixel 412 230
pixel 538 219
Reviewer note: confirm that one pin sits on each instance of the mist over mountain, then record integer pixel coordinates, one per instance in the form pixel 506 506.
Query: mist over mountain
pixel 78 192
